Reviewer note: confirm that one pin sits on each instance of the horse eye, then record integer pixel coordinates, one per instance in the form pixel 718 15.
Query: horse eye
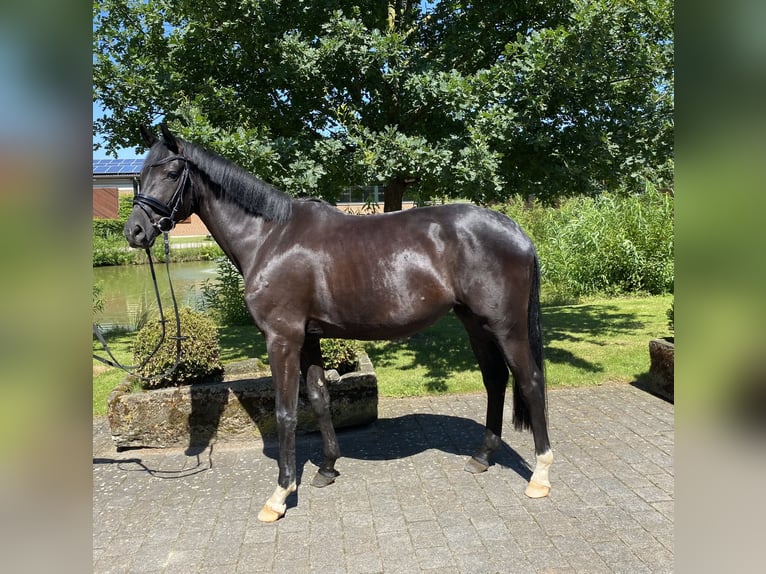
pixel 173 174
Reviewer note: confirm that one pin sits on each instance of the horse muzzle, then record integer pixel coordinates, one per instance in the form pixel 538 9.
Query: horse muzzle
pixel 139 233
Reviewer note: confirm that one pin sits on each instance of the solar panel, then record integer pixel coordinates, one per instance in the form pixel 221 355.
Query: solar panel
pixel 110 166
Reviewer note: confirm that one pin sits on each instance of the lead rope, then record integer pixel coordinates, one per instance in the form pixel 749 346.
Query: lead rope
pixel 131 369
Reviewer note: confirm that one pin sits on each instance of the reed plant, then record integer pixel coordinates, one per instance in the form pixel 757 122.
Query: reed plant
pixel 611 244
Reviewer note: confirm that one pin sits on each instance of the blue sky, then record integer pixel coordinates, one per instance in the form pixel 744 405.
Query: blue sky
pixel 123 153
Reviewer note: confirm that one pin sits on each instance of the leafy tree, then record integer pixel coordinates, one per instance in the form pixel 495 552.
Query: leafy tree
pixel 440 99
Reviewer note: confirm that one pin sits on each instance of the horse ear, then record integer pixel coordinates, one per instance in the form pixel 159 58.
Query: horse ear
pixel 168 138
pixel 149 138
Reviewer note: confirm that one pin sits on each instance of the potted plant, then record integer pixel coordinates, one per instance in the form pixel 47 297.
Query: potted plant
pixel 200 401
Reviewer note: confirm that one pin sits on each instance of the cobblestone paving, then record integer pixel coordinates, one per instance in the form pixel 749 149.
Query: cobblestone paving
pixel 403 502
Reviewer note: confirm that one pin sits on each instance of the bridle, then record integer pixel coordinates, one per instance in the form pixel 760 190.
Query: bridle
pixel 167 211
pixel 164 225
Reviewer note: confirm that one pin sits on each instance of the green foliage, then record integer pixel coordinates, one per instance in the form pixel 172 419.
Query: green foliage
pixel 340 354
pixel 471 100
pixel 98 297
pixel 670 314
pixel 224 296
pixel 200 351
pixel 592 96
pixel 611 244
pixel 110 252
pixel 109 244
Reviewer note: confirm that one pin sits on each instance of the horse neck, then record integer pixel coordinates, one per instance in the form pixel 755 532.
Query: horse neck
pixel 236 231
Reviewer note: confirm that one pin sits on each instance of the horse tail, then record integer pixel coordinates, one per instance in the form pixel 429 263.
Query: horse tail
pixel 533 319
pixel 521 415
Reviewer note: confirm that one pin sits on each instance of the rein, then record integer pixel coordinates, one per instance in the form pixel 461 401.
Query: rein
pixel 131 369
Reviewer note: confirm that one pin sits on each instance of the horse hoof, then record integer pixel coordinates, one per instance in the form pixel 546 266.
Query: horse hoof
pixel 321 479
pixel 475 466
pixel 537 490
pixel 268 514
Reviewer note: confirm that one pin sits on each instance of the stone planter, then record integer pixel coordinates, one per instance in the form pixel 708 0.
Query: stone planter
pixel 661 353
pixel 239 408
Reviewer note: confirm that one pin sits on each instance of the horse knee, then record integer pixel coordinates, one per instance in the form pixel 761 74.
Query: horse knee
pixel 286 420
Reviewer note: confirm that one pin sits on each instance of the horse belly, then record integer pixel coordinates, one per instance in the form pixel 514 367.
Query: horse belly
pixel 374 328
pixel 382 313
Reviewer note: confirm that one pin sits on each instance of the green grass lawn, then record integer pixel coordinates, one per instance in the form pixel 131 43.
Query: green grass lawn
pixel 601 340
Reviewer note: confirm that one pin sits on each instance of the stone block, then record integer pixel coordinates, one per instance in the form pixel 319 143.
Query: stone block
pixel 661 377
pixel 239 408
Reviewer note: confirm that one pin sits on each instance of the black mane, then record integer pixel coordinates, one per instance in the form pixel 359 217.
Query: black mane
pixel 238 186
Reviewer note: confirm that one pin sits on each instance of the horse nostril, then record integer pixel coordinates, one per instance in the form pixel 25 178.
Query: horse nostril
pixel 135 234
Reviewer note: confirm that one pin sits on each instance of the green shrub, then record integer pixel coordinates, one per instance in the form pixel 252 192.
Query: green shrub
pixel 108 228
pixel 340 354
pixel 111 251
pixel 200 351
pixel 610 244
pixel 224 297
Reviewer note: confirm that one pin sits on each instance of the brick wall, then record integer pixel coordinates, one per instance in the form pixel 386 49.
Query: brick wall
pixel 105 203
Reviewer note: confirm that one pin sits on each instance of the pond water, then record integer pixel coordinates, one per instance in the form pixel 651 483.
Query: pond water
pixel 128 290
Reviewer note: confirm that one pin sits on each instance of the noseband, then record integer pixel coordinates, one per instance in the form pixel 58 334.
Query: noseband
pixel 168 211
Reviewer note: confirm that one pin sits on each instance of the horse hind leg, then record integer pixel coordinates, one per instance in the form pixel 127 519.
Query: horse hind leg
pixel 494 373
pixel 530 410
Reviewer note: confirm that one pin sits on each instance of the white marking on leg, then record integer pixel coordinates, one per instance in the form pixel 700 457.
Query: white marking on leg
pixel 539 486
pixel 275 506
pixel 277 500
pixel 544 462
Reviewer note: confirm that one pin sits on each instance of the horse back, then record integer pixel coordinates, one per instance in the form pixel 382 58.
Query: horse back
pixel 390 275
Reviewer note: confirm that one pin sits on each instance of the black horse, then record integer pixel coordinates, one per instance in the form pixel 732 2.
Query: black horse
pixel 311 271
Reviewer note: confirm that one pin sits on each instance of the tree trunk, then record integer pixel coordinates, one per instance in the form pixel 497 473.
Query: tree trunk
pixel 393 194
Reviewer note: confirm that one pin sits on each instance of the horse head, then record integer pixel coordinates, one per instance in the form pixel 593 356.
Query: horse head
pixel 166 196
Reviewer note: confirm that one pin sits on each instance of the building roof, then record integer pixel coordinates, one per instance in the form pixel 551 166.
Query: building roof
pixel 111 166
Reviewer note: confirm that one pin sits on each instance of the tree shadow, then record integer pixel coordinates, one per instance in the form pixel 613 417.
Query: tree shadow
pixel 234 339
pixel 441 349
pixel 590 321
pixel 444 347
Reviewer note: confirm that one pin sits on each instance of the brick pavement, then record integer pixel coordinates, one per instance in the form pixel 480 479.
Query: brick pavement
pixel 403 502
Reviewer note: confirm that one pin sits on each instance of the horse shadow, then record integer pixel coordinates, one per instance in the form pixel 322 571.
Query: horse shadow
pixel 385 439
pixel 398 438
pixel 389 438
pixel 406 436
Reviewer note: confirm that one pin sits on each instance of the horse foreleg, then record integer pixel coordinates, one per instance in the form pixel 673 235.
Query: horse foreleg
pixel 284 359
pixel 275 506
pixel 320 401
